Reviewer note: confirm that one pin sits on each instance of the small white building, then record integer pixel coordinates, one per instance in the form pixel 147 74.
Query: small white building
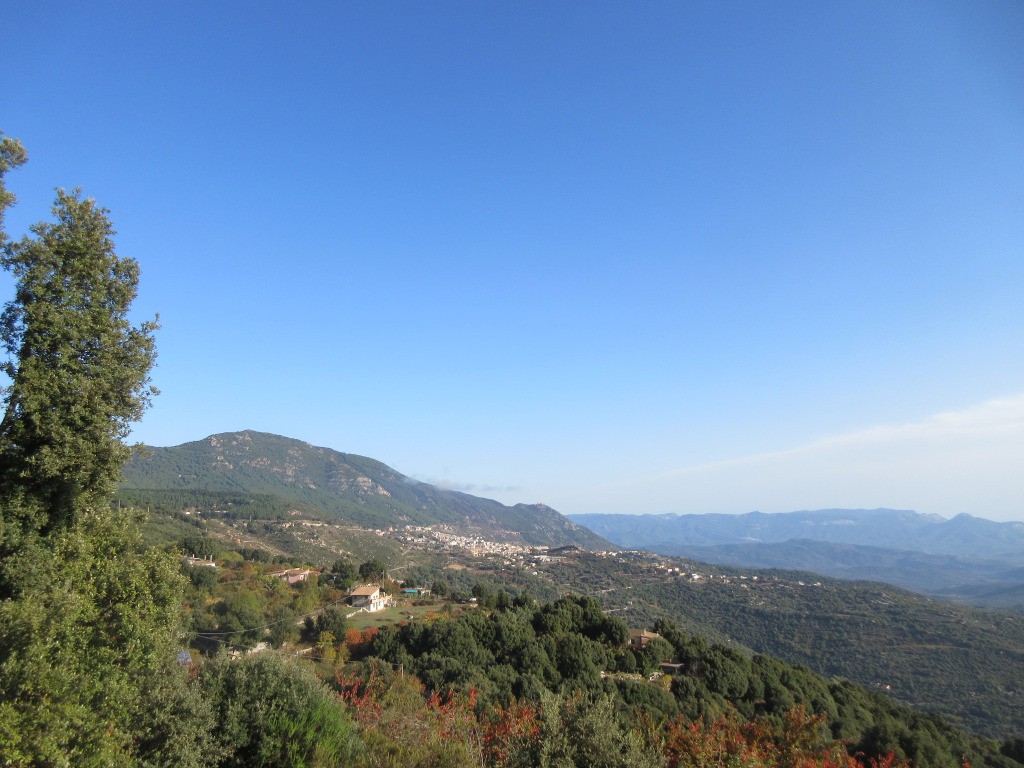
pixel 199 562
pixel 369 597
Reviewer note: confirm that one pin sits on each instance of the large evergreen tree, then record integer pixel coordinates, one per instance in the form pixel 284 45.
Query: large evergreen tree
pixel 89 615
pixel 77 370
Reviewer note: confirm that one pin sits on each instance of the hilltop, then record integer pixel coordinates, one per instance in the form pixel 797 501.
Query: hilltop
pixel 271 472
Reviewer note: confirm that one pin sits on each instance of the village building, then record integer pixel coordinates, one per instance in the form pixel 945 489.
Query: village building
pixel 641 638
pixel 294 575
pixel 369 597
pixel 415 591
pixel 199 562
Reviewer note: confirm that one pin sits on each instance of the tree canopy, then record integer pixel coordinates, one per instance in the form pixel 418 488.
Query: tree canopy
pixel 89 615
pixel 373 570
pixel 77 370
pixel 12 155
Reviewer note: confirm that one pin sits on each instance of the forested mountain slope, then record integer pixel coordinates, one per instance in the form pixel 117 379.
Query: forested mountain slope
pixel 980 582
pixel 342 486
pixel 966 558
pixel 965 663
pixel 520 652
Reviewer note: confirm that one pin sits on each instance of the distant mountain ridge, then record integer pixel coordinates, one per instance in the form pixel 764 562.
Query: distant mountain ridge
pixel 341 486
pixel 962 536
pixel 965 558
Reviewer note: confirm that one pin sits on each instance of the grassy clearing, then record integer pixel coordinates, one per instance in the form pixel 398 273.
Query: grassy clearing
pixel 401 612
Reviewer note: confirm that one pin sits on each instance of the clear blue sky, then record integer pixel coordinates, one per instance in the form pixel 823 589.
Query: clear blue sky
pixel 614 257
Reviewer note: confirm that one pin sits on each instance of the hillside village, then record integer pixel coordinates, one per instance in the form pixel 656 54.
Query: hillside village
pixel 442 539
pixel 759 610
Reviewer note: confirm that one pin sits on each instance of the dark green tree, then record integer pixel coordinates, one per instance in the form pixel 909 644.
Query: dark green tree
pixel 678 639
pixel 343 572
pixel 77 370
pixel 578 660
pixel 332 620
pixel 502 601
pixel 283 626
pixel 200 545
pixel 656 651
pixel 242 623
pixel 373 570
pixel 203 579
pixel 89 615
pixel 1013 748
pixel 482 592
pixel 12 155
pixel 273 713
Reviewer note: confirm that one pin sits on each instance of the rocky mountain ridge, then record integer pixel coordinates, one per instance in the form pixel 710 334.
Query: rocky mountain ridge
pixel 341 486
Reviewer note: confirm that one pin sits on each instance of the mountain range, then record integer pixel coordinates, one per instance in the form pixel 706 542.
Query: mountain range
pixel 340 487
pixel 966 557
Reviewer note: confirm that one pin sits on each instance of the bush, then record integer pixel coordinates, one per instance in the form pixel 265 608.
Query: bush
pixel 273 713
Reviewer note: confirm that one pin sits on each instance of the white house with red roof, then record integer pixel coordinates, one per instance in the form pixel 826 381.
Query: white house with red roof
pixel 369 598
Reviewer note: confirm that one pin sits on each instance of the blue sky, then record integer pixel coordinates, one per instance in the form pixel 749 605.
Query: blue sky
pixel 614 257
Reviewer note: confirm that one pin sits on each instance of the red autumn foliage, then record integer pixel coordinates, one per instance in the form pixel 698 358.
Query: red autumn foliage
pixel 802 742
pixel 502 735
pixel 362 695
pixel 507 731
pixel 359 643
pixel 352 638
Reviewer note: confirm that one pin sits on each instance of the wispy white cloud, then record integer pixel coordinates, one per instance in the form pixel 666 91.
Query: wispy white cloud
pixel 956 461
pixel 995 419
pixel 474 488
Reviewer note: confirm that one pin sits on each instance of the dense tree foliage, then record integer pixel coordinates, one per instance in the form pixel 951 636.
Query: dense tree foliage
pixel 90 615
pixel 343 573
pixel 403 724
pixel 965 663
pixel 570 647
pixel 275 714
pixel 211 504
pixel 89 622
pixel 77 369
pixel 88 643
pixel 373 570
